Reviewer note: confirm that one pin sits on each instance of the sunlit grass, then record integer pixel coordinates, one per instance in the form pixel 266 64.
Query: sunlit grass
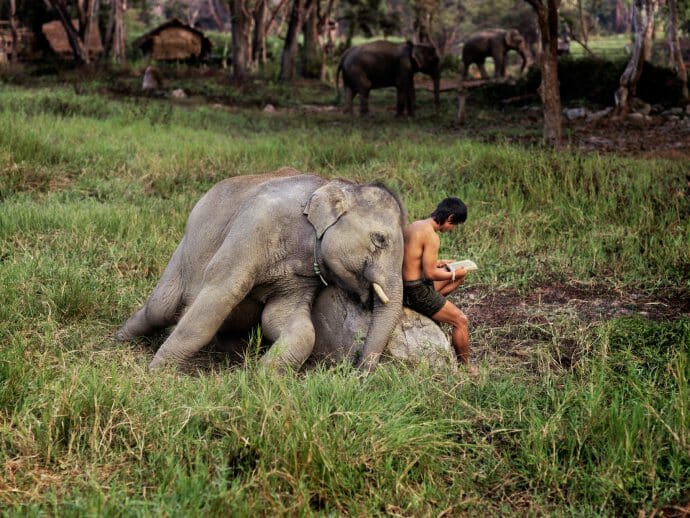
pixel 94 194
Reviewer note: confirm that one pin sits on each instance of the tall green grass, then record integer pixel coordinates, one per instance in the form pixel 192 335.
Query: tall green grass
pixel 94 194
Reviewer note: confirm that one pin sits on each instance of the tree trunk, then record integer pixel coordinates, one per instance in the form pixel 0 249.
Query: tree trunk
pixel 620 23
pixel 311 55
pixel 119 31
pixel 549 89
pixel 81 56
pixel 271 22
pixel 643 20
pixel 584 31
pixel 259 38
pixel 89 20
pixel 241 21
pixel 213 12
pixel 422 24
pixel 289 55
pixel 13 30
pixel 674 46
pixel 327 37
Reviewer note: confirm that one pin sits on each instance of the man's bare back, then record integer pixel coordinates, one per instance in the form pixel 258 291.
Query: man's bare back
pixel 426 278
pixel 421 261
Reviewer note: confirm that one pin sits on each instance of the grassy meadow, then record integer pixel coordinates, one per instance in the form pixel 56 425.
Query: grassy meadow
pixel 94 194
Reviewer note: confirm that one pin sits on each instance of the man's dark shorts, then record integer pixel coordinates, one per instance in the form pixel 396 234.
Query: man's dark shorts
pixel 422 297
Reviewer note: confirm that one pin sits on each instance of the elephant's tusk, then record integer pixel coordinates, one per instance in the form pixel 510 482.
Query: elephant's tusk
pixel 381 294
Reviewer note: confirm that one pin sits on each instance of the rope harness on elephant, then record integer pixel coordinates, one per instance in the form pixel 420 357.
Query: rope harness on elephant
pixel 317 270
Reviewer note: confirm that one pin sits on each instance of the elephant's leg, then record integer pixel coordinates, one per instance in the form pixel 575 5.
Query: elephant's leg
pixel 349 95
pixel 364 88
pixel 500 66
pixel 465 70
pixel 202 319
pixel 287 322
pixel 405 100
pixel 482 70
pixel 401 101
pixel 162 307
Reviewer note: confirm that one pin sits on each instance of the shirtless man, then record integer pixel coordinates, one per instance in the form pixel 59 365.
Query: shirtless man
pixel 426 280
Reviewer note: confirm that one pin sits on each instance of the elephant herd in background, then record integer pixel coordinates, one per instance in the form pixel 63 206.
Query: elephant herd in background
pixel 383 64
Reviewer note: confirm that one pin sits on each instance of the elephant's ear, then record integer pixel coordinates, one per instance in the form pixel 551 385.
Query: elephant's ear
pixel 325 207
pixel 511 38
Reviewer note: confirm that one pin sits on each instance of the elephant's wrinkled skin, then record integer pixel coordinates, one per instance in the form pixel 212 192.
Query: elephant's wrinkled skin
pixel 381 64
pixel 494 43
pixel 248 254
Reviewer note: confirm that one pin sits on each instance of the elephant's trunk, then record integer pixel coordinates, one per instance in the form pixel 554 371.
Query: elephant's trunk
pixel 525 55
pixel 385 317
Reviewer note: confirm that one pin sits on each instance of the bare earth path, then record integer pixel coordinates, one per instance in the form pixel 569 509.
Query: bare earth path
pixel 510 327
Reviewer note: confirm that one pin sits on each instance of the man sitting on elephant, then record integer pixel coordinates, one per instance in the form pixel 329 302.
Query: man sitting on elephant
pixel 426 280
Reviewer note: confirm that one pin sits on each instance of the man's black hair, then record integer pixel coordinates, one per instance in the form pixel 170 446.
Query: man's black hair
pixel 452 207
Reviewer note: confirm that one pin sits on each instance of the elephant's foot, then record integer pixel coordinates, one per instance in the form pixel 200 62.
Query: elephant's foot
pixel 122 335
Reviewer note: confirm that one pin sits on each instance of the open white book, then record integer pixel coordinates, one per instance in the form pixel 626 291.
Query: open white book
pixel 465 263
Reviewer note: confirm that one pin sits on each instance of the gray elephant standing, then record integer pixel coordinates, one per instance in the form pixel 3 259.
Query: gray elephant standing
pixel 382 64
pixel 258 249
pixel 494 43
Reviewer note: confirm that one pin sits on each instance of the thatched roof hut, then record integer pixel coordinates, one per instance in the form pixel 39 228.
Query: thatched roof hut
pixel 57 38
pixel 174 41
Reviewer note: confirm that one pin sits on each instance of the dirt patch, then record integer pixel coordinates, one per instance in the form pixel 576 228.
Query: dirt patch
pixel 586 303
pixel 548 327
pixel 657 139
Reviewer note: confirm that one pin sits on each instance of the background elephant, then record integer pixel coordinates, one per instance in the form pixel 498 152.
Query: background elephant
pixel 381 64
pixel 341 326
pixel 494 43
pixel 259 248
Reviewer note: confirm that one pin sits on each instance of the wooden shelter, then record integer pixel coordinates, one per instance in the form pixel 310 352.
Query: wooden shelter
pixel 57 38
pixel 174 41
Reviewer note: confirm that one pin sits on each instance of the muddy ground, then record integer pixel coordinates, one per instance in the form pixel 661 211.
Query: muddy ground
pixel 508 325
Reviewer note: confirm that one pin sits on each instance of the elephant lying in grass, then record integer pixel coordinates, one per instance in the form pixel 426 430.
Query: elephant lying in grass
pixel 260 248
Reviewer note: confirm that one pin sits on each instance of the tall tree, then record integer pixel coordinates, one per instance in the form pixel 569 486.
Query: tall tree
pixel 317 45
pixel 241 27
pixel 13 30
pixel 367 17
pixel 116 32
pixel 288 60
pixel 584 29
pixel 674 47
pixel 549 89
pixel 310 52
pixel 259 37
pixel 643 24
pixel 77 37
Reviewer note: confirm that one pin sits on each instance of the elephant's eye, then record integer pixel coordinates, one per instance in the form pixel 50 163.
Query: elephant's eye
pixel 380 240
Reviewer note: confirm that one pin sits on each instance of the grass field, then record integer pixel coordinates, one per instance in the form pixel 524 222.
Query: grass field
pixel 94 193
